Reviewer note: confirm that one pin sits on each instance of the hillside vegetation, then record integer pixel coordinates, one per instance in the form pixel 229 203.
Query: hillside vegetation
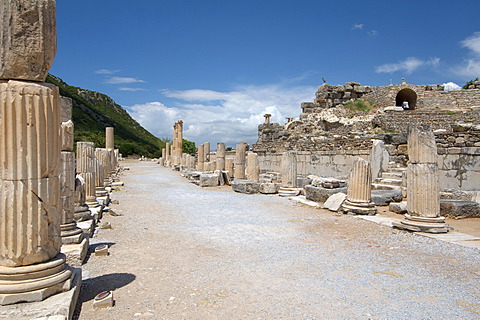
pixel 93 111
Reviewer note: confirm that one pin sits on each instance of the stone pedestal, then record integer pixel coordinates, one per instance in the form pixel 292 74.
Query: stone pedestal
pixel 30 207
pixel 423 189
pixel 289 169
pixel 359 192
pixel 253 167
pixel 220 163
pixel 240 155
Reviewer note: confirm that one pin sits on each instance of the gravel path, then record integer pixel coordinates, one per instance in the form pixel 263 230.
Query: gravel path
pixel 184 252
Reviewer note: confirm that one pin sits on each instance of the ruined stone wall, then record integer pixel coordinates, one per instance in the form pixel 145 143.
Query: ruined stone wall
pixel 395 121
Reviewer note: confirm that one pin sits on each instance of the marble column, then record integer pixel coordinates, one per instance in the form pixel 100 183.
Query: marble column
pixel 167 154
pixel 240 155
pixel 69 231
pixel 206 152
pixel 359 192
pixel 423 188
pixel 289 169
pixel 109 138
pixel 86 168
pixel 31 265
pixel 229 167
pixel 220 164
pixel 178 133
pixel 163 156
pixel 253 167
pixel 267 118
pixel 201 157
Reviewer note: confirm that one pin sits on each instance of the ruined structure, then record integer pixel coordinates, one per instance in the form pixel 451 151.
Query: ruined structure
pixel 31 266
pixel 332 131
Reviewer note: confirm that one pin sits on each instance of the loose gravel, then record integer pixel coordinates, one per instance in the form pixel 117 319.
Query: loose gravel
pixel 184 252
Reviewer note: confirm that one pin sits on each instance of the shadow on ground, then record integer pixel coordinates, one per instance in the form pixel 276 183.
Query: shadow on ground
pixel 93 286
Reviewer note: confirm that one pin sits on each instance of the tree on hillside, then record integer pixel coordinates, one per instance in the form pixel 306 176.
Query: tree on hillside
pixel 469 83
pixel 188 147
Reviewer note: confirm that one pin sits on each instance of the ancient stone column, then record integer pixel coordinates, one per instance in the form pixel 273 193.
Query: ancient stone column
pixel 167 154
pixel 163 156
pixel 220 165
pixel 289 169
pixel 109 138
pixel 229 167
pixel 253 167
pixel 423 189
pixel 178 133
pixel 267 118
pixel 69 231
pixel 359 192
pixel 201 161
pixel 31 267
pixel 86 168
pixel 206 152
pixel 240 154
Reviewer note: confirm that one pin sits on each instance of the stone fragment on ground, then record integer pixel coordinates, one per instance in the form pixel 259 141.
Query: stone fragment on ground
pixel 459 208
pixel 245 186
pixel 398 207
pixel 209 180
pixel 335 201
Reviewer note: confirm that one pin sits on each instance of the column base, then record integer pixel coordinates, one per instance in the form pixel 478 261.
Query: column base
pixel 70 233
pixel 82 213
pixel 423 224
pixel 34 282
pixel 363 208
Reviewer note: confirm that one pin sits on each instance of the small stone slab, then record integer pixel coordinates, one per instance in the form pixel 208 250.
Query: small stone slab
pixel 268 188
pixel 335 201
pixel 209 180
pixel 103 300
pixel 459 208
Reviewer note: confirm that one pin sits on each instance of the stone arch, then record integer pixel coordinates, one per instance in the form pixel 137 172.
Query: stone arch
pixel 409 95
pixel 293 124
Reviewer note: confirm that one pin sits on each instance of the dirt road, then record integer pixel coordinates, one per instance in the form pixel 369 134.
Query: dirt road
pixel 184 252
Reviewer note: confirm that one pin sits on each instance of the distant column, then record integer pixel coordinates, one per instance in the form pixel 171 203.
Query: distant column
pixel 229 167
pixel 206 152
pixel 86 168
pixel 220 165
pixel 109 138
pixel 253 168
pixel 289 169
pixel 167 154
pixel 200 155
pixel 240 154
pixel 267 118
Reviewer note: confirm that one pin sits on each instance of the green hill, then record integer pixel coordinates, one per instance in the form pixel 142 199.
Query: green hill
pixel 93 111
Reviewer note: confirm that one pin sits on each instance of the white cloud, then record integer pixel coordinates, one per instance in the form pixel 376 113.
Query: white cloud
pixel 358 26
pixel 408 65
pixel 372 33
pixel 131 89
pixel 213 116
pixel 106 71
pixel 449 86
pixel 471 66
pixel 123 80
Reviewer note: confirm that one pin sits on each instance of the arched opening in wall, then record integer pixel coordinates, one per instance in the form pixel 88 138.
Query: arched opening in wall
pixel 409 95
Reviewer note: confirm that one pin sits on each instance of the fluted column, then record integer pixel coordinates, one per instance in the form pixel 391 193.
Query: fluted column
pixel 30 207
pixel 220 165
pixel 423 189
pixel 289 169
pixel 86 168
pixel 69 231
pixel 240 154
pixel 359 192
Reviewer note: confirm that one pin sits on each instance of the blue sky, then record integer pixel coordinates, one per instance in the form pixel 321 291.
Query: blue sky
pixel 220 65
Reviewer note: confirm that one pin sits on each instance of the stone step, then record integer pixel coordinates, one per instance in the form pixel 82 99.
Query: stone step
pixel 393 182
pixel 396 169
pixel 381 186
pixel 391 175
